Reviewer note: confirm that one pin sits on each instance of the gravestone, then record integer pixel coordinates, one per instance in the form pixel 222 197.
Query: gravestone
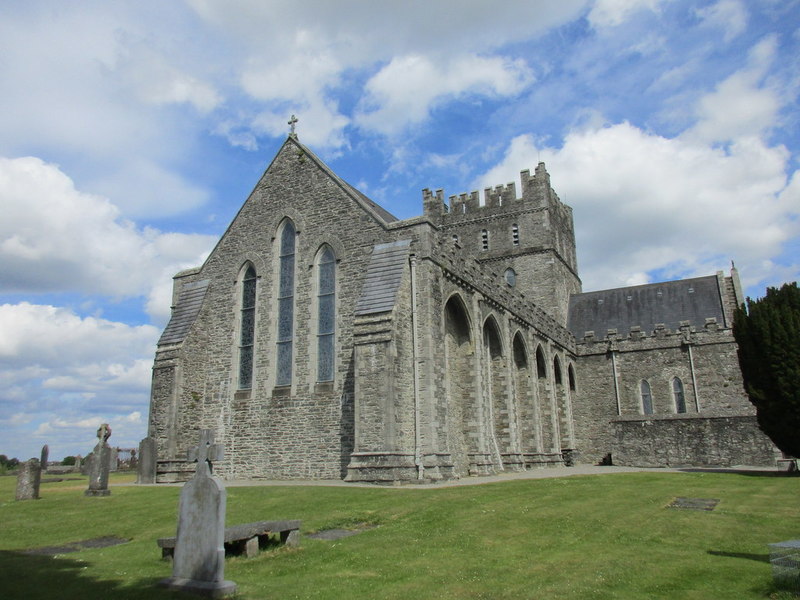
pixel 146 468
pixel 113 459
pixel 45 457
pixel 97 467
pixel 199 560
pixel 29 475
pixel 78 463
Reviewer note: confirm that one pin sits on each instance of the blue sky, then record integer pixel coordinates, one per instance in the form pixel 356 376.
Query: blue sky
pixel 131 133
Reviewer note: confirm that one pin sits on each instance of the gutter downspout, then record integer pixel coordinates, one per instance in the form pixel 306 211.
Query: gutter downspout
pixel 414 338
pixel 694 379
pixel 616 383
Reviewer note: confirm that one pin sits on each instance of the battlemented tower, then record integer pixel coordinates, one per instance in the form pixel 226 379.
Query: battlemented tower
pixel 530 240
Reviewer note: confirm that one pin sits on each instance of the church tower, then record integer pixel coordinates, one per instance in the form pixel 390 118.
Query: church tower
pixel 529 241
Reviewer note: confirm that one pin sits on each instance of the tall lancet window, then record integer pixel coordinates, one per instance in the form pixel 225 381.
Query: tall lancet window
pixel 286 305
pixel 247 329
pixel 677 392
pixel 326 322
pixel 647 398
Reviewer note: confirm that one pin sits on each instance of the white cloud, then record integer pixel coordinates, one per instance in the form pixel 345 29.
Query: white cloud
pixel 404 91
pixel 63 375
pixel 56 238
pixel 729 15
pixel 645 203
pixel 295 57
pixel 610 13
pixel 739 106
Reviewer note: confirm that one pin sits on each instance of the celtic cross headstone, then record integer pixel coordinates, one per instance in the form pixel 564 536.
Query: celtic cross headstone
pixel 199 559
pixel 98 467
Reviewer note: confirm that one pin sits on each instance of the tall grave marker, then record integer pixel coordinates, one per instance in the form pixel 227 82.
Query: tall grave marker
pixel 29 476
pixel 199 560
pixel 97 468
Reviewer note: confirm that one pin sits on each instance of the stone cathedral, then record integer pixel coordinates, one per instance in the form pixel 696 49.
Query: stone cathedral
pixel 325 338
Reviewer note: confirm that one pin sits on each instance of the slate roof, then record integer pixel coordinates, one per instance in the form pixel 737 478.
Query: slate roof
pixel 669 303
pixel 383 277
pixel 185 312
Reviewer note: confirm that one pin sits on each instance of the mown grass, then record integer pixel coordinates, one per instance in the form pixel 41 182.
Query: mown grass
pixel 588 537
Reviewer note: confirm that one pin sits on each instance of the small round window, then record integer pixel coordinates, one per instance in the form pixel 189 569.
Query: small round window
pixel 511 277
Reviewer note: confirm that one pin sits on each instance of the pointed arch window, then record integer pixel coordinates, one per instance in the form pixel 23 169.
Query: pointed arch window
pixel 326 314
pixel 286 305
pixel 247 328
pixel 647 398
pixel 677 393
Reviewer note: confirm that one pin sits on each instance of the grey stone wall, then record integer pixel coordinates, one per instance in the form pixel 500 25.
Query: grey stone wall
pixel 532 234
pixel 704 360
pixel 691 440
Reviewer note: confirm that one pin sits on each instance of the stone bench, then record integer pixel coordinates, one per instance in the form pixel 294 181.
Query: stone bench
pixel 246 538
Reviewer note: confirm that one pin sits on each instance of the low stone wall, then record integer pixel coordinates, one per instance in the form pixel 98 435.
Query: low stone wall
pixel 691 440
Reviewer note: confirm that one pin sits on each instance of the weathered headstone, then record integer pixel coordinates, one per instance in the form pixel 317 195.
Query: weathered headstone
pixel 146 469
pixel 97 468
pixel 113 459
pixel 78 463
pixel 45 457
pixel 199 560
pixel 29 475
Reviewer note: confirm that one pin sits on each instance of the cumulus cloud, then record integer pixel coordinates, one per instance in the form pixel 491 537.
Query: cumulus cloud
pixel 404 91
pixel 55 238
pixel 64 374
pixel 296 56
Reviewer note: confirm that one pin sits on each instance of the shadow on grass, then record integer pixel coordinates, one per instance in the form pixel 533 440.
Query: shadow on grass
pixel 35 577
pixel 757 557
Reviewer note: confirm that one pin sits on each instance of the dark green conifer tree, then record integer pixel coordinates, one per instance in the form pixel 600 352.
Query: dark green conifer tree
pixel 768 334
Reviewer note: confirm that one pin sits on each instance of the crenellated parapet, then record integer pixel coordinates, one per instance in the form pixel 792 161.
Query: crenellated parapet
pixel 536 193
pixel 636 339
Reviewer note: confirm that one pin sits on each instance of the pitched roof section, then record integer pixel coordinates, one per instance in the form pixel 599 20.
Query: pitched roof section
pixel 692 300
pixel 363 200
pixel 184 313
pixel 383 277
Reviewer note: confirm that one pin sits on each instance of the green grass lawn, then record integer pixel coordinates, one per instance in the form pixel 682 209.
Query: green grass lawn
pixel 587 537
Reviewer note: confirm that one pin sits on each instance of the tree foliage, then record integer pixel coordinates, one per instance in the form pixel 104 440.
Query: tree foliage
pixel 768 334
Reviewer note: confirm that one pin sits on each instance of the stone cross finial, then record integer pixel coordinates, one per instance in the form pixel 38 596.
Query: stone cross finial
pixel 292 123
pixel 103 433
pixel 206 451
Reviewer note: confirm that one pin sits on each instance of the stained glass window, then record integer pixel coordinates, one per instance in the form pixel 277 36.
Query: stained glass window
pixel 247 327
pixel 647 398
pixel 326 325
pixel 677 391
pixel 286 305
